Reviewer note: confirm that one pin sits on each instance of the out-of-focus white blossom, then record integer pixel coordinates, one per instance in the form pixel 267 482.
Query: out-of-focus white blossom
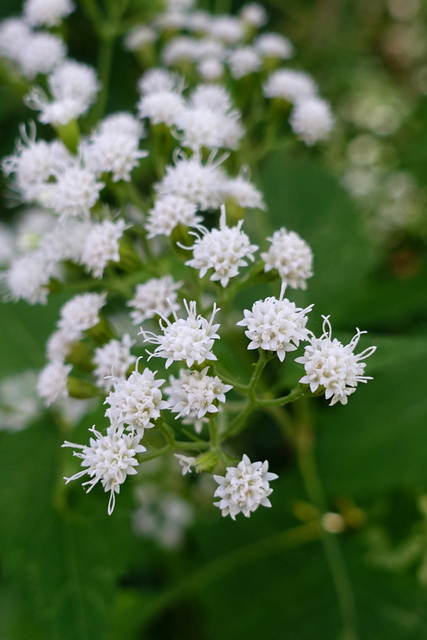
pixel 291 256
pixel 52 382
pixel 157 296
pixel 312 120
pixel 101 246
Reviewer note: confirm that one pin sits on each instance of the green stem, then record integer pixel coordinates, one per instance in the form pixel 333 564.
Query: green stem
pixel 155 454
pixel 304 442
pixel 192 446
pixel 228 563
pixel 293 395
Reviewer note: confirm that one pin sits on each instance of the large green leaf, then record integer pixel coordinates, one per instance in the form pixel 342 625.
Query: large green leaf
pixel 379 439
pixel 59 549
pixel 303 197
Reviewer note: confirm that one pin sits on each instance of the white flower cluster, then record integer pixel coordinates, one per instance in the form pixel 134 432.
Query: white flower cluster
pixel 112 361
pixel 73 87
pixel 192 131
pixel 276 325
pixel 244 488
pixel 135 401
pixel 291 256
pixel 189 339
pixel 195 394
pixel 108 459
pixel 101 246
pixel 333 366
pixel 157 296
pixel 224 250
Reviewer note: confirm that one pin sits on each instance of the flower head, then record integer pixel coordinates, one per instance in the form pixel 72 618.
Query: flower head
pixel 224 250
pixel 330 364
pixel 112 361
pixel 190 339
pixel 291 256
pixel 276 325
pixel 157 296
pixel 195 394
pixel 109 459
pixel 101 246
pixel 135 401
pixel 52 382
pixel 312 120
pixel 244 488
pixel 81 313
pixel 199 183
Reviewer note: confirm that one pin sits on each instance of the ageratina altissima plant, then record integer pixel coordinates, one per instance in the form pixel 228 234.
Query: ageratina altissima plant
pixel 146 219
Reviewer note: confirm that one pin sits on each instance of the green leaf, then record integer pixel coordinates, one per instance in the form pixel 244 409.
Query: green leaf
pixel 64 560
pixel 303 197
pixel 379 439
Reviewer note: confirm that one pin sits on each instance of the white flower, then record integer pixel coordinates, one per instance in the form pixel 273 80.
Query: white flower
pixel 109 459
pixel 289 85
pixel 312 120
pixel 157 296
pixel 276 325
pixel 75 192
pixel 291 256
pixel 14 35
pixel 186 462
pixel 253 14
pixel 224 250
pixel 139 36
pixel 158 80
pixel 46 12
pixel 112 361
pixel 189 339
pixel 33 163
pixel 241 191
pixel 169 211
pixel 75 81
pixel 59 345
pixel 19 404
pixel 135 401
pixel 114 152
pixel 243 61
pixel 52 382
pixel 274 45
pixel 81 313
pixel 330 364
pixel 199 183
pixel 180 49
pixel 244 488
pixel 42 53
pixel 208 121
pixel 227 28
pixel 65 241
pixel 210 69
pixel 161 107
pixel 164 517
pixel 28 277
pixel 122 122
pixel 73 87
pixel 194 394
pixel 101 246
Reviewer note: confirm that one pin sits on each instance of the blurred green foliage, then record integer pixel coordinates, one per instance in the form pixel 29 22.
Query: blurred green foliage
pixel 70 572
